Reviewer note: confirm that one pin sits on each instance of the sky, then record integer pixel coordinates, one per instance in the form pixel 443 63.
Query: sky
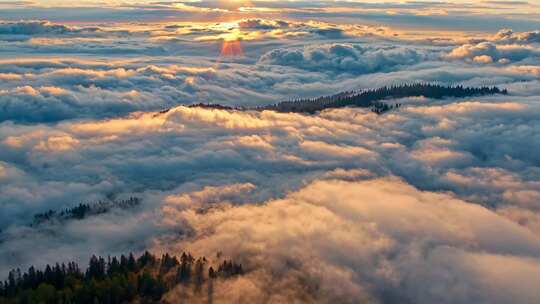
pixel 436 202
pixel 461 14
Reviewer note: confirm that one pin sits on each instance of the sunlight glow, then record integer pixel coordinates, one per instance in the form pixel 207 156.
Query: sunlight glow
pixel 235 4
pixel 232 45
pixel 231 48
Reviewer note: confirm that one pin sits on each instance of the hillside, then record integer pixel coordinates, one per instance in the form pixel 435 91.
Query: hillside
pixel 373 98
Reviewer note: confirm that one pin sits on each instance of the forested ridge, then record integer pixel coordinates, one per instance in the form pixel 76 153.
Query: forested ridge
pixel 111 280
pixel 371 98
pixel 83 210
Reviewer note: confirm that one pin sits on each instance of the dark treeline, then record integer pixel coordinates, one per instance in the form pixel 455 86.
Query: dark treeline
pixel 215 106
pixel 372 98
pixel 113 280
pixel 82 211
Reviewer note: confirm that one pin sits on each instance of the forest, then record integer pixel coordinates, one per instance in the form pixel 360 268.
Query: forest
pixel 373 99
pixel 83 210
pixel 143 279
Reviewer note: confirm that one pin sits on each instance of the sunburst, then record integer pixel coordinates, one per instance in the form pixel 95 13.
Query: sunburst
pixel 232 44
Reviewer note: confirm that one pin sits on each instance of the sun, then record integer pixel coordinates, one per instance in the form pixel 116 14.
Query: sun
pixel 235 4
pixel 232 44
pixel 232 35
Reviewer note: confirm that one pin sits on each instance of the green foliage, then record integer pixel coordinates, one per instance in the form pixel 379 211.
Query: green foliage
pixel 115 280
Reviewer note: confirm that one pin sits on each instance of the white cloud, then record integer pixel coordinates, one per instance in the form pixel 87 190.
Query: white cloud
pixel 378 240
pixel 488 52
pixel 331 207
pixel 349 58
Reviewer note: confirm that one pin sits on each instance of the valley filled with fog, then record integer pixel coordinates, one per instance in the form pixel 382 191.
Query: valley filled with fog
pixel 435 201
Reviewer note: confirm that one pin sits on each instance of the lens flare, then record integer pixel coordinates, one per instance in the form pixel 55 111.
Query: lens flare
pixel 232 45
pixel 231 48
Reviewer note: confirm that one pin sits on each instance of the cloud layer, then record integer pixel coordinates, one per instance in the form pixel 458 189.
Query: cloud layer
pixel 52 72
pixel 438 201
pixel 378 241
pixel 472 15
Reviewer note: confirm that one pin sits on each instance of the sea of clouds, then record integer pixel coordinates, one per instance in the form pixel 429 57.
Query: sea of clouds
pixel 437 202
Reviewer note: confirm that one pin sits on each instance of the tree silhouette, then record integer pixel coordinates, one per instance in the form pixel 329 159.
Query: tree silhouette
pixel 113 280
pixel 372 98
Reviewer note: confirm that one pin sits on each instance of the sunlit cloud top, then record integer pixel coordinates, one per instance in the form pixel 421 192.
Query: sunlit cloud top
pixel 461 14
